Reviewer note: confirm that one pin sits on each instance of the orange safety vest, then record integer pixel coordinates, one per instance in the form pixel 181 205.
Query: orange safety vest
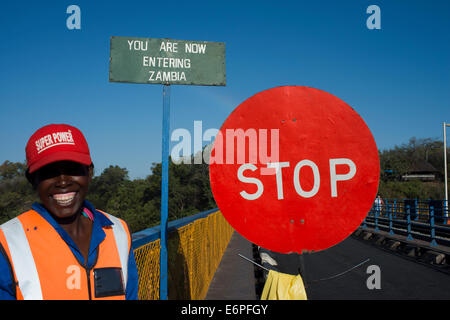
pixel 44 266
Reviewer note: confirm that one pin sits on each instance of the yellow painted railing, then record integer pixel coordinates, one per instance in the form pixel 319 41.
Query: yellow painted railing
pixel 194 253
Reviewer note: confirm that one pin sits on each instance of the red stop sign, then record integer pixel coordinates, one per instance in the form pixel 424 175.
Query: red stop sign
pixel 294 169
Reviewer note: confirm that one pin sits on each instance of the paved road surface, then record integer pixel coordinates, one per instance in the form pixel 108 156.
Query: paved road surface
pixel 234 278
pixel 401 278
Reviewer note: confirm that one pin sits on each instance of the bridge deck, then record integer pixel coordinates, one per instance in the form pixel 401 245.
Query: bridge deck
pixel 401 277
pixel 234 278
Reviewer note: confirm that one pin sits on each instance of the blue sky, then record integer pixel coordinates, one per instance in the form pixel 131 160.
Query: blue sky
pixel 396 78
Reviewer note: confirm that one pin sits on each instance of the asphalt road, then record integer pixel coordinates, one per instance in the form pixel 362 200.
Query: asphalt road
pixel 400 277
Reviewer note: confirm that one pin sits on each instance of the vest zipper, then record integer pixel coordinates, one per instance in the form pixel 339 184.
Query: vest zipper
pixel 88 271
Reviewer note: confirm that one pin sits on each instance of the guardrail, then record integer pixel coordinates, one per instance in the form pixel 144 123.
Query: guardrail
pixel 195 247
pixel 416 219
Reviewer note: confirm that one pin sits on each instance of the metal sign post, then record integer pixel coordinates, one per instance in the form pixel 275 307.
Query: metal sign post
pixel 167 62
pixel 164 192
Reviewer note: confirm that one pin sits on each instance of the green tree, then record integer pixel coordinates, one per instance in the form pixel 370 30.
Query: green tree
pixel 16 193
pixel 400 159
pixel 104 186
pixel 189 189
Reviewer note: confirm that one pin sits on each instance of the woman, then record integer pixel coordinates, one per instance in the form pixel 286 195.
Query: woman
pixel 63 248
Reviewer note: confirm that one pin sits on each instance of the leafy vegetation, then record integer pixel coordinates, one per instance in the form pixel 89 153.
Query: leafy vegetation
pixel 398 161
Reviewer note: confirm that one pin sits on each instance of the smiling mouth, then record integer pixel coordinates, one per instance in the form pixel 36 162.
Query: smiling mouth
pixel 64 199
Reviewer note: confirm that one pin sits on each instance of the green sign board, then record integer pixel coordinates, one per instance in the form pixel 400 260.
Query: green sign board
pixel 167 61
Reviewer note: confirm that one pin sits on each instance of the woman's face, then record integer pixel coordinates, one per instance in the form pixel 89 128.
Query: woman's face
pixel 62 187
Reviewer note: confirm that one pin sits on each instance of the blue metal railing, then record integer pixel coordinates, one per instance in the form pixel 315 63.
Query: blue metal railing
pixel 151 234
pixel 416 219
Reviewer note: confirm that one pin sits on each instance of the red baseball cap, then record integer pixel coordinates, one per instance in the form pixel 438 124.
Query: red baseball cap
pixel 56 142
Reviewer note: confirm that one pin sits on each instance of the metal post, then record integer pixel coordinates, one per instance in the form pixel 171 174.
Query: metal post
pixel 364 225
pixel 445 214
pixel 408 217
pixel 445 168
pixel 416 209
pixel 433 242
pixel 164 193
pixel 390 219
pixel 377 210
pixel 395 208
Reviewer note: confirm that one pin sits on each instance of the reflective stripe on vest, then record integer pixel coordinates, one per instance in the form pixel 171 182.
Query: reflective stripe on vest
pixel 22 259
pixel 121 237
pixel 30 240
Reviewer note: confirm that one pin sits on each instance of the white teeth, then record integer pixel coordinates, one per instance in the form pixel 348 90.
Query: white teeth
pixel 64 198
pixel 64 202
